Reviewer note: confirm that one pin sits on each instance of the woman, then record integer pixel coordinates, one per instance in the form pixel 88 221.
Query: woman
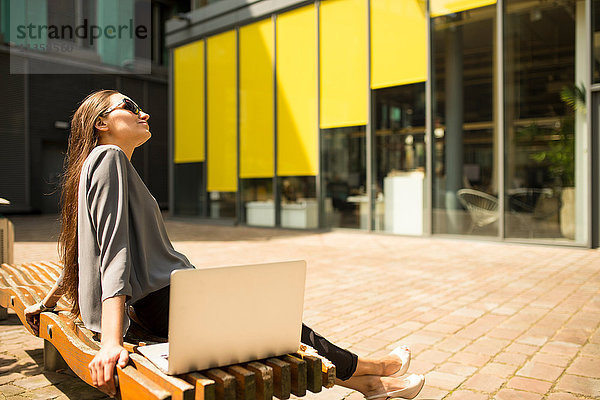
pixel 116 253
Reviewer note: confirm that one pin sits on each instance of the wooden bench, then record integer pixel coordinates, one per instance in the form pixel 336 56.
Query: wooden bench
pixel 67 343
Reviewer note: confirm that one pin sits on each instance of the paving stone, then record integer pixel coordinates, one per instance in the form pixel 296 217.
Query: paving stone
pixel 7 378
pixel 560 348
pixel 522 349
pixel 584 366
pixel 483 383
pixel 511 394
pixel 540 371
pixel 510 358
pixel 497 369
pixel 475 360
pixel 431 393
pixel 466 395
pixel 48 392
pixel 11 390
pixel 551 359
pixel 33 382
pixel 591 349
pixel 435 356
pixel 570 335
pixel 529 385
pixel 579 385
pixel 443 380
pixel 456 369
pixel 561 396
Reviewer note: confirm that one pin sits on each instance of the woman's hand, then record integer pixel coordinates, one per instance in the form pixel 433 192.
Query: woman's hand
pixel 102 367
pixel 32 316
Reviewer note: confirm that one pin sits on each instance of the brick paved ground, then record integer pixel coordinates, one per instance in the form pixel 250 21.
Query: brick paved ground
pixel 485 320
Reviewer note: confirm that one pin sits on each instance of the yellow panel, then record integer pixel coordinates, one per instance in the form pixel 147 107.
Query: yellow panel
pixel 256 100
pixel 297 133
pixel 398 42
pixel 343 31
pixel 189 100
pixel 221 105
pixel 443 7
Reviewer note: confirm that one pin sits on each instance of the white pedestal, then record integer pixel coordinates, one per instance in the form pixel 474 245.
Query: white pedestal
pixel 260 213
pixel 363 209
pixel 404 203
pixel 303 214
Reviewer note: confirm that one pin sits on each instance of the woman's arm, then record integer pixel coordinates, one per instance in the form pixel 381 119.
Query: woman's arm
pixel 32 313
pixel 102 367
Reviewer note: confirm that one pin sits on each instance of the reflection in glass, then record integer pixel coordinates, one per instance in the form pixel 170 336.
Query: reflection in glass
pixel 188 188
pixel 596 39
pixel 221 205
pixel 299 207
pixel 344 177
pixel 257 197
pixel 545 169
pixel 399 161
pixel 464 193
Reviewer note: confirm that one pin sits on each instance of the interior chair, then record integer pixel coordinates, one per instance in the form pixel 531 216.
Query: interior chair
pixel 482 207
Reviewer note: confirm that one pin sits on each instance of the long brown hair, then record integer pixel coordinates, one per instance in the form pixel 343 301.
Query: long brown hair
pixel 82 140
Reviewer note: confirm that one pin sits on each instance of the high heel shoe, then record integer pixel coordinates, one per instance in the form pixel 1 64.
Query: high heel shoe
pixel 415 384
pixel 403 353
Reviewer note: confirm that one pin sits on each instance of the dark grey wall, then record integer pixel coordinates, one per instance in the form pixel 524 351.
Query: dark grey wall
pixel 13 178
pixel 53 98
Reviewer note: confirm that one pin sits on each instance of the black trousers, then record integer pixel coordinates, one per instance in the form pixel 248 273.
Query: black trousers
pixel 153 313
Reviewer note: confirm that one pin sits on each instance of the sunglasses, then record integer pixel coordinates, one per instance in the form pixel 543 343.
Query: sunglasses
pixel 128 105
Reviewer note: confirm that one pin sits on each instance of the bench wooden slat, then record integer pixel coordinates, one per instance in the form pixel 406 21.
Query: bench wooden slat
pixel 282 379
pixel 180 389
pixel 245 382
pixel 44 272
pixel 264 379
pixel 327 367
pixel 78 356
pixel 205 388
pixel 298 374
pixel 314 377
pixel 225 383
pixel 130 383
pixel 36 275
pixel 82 334
pixel 17 275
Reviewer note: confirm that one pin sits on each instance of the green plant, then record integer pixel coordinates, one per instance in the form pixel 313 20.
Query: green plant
pixel 559 156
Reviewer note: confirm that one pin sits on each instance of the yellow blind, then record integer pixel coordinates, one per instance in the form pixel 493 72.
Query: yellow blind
pixel 221 105
pixel 443 7
pixel 256 100
pixel 343 31
pixel 188 99
pixel 398 42
pixel 297 134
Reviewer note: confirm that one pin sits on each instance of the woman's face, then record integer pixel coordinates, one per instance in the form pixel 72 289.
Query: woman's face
pixel 123 125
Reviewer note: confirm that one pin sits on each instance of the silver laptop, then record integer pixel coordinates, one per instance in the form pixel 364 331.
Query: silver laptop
pixel 228 315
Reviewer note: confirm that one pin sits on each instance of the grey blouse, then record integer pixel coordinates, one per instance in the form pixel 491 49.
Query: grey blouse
pixel 122 241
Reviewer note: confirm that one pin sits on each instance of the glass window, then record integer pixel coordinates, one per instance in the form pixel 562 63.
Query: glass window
pixel 188 188
pixel 465 195
pixel 545 119
pixel 596 39
pixel 221 205
pixel 399 149
pixel 299 207
pixel 344 177
pixel 259 207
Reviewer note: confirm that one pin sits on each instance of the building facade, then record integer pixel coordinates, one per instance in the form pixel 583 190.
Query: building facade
pixel 471 118
pixel 41 89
